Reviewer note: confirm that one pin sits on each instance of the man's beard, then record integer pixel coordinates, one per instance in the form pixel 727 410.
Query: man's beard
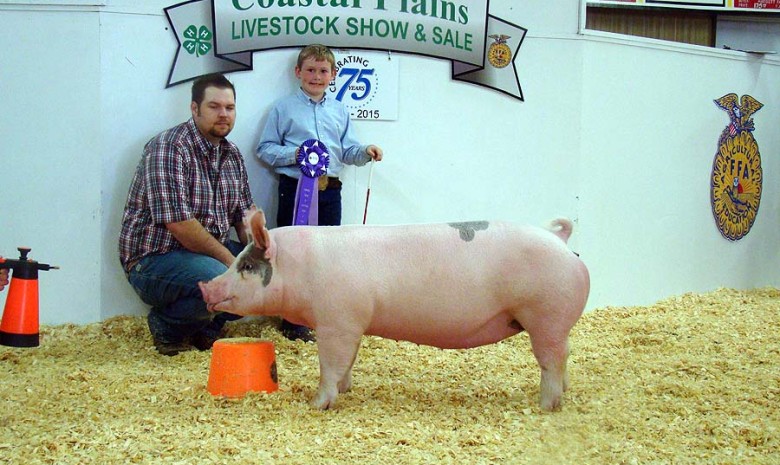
pixel 219 132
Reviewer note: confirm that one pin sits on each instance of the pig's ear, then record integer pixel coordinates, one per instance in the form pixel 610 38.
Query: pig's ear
pixel 259 232
pixel 248 213
pixel 248 216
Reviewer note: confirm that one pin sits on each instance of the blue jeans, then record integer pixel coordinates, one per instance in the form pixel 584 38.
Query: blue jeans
pixel 169 283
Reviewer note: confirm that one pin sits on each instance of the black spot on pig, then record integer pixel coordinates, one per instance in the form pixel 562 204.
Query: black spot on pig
pixel 253 261
pixel 468 229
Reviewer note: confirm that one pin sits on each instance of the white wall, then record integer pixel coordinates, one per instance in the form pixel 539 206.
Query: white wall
pixel 50 156
pixel 650 133
pixel 441 140
pixel 137 53
pixel 617 136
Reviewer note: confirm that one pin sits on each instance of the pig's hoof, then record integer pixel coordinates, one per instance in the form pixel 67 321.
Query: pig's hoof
pixel 551 405
pixel 325 398
pixel 322 404
pixel 345 385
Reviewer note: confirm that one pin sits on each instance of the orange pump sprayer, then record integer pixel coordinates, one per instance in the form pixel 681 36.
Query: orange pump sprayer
pixel 19 327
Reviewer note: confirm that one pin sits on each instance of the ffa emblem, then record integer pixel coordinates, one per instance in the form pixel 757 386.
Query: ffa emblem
pixel 499 54
pixel 737 177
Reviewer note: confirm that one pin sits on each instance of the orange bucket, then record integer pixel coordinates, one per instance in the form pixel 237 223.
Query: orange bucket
pixel 241 365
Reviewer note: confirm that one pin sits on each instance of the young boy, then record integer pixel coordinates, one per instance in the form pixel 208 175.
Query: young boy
pixel 311 114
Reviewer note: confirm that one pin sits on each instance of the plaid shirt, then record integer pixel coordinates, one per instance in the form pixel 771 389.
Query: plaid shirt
pixel 182 176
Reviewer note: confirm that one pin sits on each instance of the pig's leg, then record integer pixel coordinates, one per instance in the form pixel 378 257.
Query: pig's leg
pixel 346 382
pixel 337 353
pixel 551 355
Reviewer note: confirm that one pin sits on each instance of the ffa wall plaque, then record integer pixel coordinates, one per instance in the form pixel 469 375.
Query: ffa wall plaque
pixel 736 182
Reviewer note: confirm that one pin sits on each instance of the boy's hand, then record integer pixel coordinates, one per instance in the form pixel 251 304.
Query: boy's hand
pixel 374 152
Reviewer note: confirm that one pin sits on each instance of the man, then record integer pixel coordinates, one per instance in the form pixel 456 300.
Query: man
pixel 189 188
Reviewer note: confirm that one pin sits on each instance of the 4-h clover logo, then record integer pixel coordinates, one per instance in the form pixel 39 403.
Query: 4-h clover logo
pixel 198 41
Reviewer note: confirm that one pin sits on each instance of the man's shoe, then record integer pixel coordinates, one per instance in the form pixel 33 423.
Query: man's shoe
pixel 295 332
pixel 171 348
pixel 203 342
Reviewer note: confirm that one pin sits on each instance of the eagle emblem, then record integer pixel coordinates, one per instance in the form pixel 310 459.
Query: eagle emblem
pixel 737 176
pixel 499 54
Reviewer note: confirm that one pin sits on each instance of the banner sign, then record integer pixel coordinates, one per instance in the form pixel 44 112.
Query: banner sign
pixel 757 4
pixel 719 5
pixel 221 35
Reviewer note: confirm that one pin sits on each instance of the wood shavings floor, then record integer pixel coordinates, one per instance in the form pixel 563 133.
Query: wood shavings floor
pixel 693 379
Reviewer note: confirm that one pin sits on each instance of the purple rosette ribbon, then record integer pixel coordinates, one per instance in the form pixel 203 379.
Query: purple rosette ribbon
pixel 313 160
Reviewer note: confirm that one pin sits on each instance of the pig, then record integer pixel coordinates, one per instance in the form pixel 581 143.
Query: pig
pixel 452 286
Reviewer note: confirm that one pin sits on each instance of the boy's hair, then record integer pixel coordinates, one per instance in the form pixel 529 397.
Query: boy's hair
pixel 217 80
pixel 318 52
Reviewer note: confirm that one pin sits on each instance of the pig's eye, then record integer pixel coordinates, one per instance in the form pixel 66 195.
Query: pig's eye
pixel 246 267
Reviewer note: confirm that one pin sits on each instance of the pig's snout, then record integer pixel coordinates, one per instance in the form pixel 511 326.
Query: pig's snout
pixel 214 293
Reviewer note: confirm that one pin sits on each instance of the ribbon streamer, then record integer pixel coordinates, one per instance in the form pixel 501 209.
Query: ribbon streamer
pixel 313 160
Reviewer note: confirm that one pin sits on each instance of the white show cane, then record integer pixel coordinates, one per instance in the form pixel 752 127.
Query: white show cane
pixel 368 190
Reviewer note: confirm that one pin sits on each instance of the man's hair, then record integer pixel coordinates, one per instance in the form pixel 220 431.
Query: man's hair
pixel 210 80
pixel 318 52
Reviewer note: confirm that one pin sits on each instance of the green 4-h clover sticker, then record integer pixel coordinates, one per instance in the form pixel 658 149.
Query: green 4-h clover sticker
pixel 198 41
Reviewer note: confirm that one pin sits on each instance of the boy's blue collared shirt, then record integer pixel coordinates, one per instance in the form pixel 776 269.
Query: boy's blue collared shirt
pixel 295 119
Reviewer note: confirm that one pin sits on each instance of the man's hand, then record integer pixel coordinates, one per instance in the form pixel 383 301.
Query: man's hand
pixel 242 232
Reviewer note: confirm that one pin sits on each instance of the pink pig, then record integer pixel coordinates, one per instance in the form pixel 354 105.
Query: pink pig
pixel 457 285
